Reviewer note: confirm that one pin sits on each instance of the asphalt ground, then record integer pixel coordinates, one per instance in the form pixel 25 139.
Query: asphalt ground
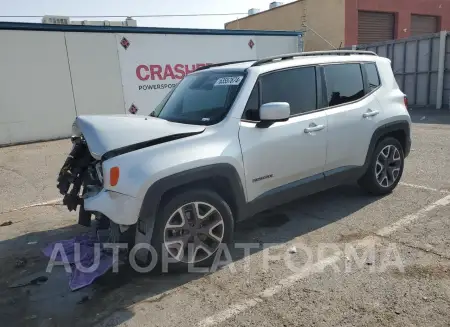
pixel 338 258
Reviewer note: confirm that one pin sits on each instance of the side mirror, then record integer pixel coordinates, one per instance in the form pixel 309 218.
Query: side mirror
pixel 272 112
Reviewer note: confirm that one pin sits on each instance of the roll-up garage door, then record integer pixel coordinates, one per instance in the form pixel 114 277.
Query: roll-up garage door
pixel 375 27
pixel 421 24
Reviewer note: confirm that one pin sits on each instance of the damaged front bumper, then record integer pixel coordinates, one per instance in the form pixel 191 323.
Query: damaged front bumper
pixel 120 208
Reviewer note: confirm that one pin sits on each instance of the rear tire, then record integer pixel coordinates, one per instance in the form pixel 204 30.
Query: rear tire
pixel 199 219
pixel 385 169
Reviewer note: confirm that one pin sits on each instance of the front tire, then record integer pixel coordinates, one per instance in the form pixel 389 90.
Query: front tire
pixel 191 226
pixel 385 169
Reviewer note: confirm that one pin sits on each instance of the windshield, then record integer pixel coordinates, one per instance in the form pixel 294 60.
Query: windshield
pixel 203 98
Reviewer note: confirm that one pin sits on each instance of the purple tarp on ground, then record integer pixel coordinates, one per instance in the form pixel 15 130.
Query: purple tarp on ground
pixel 79 279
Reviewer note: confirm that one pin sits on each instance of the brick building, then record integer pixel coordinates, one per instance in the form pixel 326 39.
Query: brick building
pixel 350 22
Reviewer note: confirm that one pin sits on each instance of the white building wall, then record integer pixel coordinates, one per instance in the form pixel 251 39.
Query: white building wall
pixel 47 78
pixel 95 71
pixel 36 100
pixel 172 49
pixel 276 45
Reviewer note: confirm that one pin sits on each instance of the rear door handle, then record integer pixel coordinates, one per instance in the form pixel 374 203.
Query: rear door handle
pixel 370 113
pixel 314 128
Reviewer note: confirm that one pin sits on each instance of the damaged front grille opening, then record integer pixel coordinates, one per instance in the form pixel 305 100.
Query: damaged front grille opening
pixel 81 177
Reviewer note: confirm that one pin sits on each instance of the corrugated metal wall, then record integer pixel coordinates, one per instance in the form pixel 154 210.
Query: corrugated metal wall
pixel 446 93
pixel 415 64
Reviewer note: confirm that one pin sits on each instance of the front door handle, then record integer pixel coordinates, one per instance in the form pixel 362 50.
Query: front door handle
pixel 314 128
pixel 370 113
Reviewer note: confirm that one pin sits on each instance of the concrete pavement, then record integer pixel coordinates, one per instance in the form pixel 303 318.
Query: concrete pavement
pixel 345 272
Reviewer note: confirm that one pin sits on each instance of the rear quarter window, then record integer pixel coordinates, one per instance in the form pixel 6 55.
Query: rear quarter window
pixel 373 78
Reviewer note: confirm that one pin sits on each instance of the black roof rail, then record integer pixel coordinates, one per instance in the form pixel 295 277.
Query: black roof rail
pixel 313 53
pixel 223 64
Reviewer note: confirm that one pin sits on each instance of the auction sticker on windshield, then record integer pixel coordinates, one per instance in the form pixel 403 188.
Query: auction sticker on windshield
pixel 234 80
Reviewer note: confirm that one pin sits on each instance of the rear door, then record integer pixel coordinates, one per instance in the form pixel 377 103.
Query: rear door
pixel 353 113
pixel 284 153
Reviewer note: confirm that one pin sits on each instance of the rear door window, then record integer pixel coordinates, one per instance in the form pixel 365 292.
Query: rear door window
pixel 344 83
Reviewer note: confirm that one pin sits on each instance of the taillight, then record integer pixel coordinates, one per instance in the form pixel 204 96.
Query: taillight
pixel 114 174
pixel 406 101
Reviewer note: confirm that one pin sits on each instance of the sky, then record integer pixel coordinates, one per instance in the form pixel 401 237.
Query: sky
pixel 135 7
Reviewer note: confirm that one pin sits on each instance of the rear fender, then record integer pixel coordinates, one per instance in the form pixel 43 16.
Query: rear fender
pixel 381 132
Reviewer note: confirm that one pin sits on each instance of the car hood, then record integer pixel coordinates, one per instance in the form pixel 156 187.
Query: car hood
pixel 105 133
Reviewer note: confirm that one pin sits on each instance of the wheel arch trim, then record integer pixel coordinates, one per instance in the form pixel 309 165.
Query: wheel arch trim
pixel 380 132
pixel 154 194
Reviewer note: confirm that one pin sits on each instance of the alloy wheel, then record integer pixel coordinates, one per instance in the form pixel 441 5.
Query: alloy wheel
pixel 193 232
pixel 388 165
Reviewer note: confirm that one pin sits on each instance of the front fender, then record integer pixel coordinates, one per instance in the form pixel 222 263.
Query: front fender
pixel 153 196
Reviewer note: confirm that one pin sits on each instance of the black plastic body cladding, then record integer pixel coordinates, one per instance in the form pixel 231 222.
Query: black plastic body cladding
pixel 397 126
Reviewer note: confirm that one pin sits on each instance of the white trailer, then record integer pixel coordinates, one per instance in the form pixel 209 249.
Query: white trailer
pixel 52 73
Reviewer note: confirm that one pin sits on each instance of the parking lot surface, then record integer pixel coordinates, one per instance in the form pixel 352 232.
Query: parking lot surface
pixel 338 258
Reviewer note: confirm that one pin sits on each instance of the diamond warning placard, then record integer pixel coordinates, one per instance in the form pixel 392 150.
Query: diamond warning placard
pixel 124 43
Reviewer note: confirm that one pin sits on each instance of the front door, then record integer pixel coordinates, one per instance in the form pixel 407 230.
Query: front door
pixel 285 154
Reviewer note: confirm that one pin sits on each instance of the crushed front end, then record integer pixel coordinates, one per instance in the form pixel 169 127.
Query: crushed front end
pixel 81 182
pixel 80 176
